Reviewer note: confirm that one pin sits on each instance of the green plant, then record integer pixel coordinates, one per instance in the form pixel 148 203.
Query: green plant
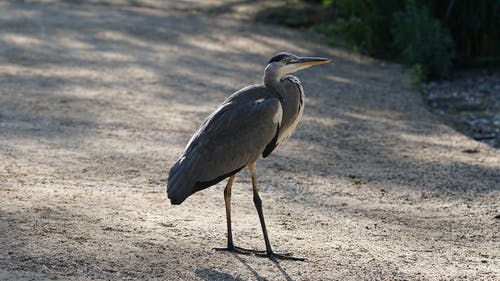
pixel 473 25
pixel 422 40
pixel 423 33
pixel 418 75
pixel 363 23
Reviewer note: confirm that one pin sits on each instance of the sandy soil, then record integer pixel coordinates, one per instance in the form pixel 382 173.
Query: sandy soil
pixel 98 99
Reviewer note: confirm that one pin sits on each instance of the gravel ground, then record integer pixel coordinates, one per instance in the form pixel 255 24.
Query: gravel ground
pixel 469 101
pixel 98 99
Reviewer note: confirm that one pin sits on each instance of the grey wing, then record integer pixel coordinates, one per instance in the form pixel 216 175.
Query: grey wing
pixel 230 139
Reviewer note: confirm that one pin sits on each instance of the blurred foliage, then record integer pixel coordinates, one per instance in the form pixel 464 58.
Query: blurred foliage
pixel 420 34
pixel 474 25
pixel 421 41
pixel 364 23
pixel 418 75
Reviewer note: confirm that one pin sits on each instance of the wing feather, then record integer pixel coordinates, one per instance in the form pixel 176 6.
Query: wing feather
pixel 235 135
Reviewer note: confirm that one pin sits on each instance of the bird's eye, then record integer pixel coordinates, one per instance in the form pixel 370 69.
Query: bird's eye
pixel 285 60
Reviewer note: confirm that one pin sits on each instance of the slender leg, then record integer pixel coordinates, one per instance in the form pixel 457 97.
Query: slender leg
pixel 227 201
pixel 258 205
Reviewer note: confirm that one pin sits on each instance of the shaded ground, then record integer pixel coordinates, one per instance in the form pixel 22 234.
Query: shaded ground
pixel 470 101
pixel 97 100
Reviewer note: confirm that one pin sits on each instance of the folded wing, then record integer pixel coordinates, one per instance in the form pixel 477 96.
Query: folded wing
pixel 232 137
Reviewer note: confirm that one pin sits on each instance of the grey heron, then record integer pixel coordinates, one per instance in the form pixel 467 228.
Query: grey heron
pixel 250 123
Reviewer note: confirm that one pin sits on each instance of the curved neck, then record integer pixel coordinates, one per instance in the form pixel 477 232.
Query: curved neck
pixel 271 77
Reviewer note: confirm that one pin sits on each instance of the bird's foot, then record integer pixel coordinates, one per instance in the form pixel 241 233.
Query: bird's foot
pixel 239 250
pixel 271 255
pixel 276 256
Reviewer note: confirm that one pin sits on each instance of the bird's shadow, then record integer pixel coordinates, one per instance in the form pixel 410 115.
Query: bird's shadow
pixel 212 274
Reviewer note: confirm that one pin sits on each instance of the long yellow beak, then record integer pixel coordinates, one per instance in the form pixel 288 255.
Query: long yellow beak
pixel 308 61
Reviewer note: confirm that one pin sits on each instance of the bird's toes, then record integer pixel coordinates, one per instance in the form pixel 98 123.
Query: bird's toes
pixel 235 249
pixel 278 256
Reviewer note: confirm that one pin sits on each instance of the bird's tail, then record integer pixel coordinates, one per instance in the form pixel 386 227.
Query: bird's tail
pixel 180 183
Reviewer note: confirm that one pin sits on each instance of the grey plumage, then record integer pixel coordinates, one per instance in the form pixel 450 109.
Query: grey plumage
pixel 229 139
pixel 250 123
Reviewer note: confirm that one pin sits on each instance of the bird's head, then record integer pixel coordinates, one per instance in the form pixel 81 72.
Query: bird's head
pixel 286 63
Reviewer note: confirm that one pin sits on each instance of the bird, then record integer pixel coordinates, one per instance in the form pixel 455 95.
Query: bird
pixel 249 124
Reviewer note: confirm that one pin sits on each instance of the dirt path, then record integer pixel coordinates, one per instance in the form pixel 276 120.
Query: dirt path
pixel 96 101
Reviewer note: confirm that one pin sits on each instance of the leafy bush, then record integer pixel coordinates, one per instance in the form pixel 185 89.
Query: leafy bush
pixel 422 41
pixel 417 35
pixel 474 26
pixel 363 23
